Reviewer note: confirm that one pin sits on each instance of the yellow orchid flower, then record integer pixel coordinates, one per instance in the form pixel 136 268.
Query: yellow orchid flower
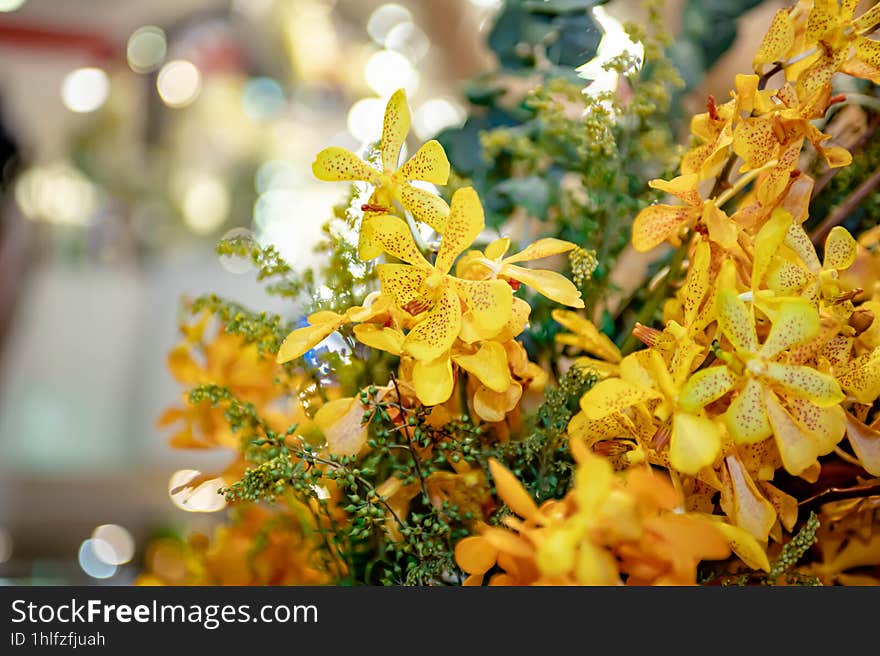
pixel 428 164
pixel 833 27
pixel 491 263
pixel 432 296
pixel 586 337
pixel 796 404
pixel 322 324
pixel 611 529
pixel 778 133
pixel 660 222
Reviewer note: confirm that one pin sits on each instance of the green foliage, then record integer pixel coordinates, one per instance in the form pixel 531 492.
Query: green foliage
pixel 542 460
pixel 564 163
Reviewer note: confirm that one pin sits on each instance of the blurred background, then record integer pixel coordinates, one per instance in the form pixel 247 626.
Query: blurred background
pixel 133 136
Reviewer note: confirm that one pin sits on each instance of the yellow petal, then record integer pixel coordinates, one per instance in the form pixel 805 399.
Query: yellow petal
pixel 767 242
pixel 657 223
pixel 494 406
pixel 613 395
pixel 496 249
pixel 695 443
pixel 488 365
pixel 434 334
pixel 183 367
pixel 335 163
pixel 797 447
pixel 516 323
pixel 755 141
pixel 868 19
pixel 433 380
pixel 592 483
pixel 379 337
pixel 555 555
pixel 596 566
pixel 861 378
pixel 777 42
pixel 796 322
pixel 799 241
pixel 542 248
pixel 722 229
pixel 465 223
pixel 836 156
pixel 428 164
pixel 827 425
pixel 586 335
pixel 395 127
pixel 393 236
pixel 684 187
pixel 401 282
pixel 551 284
pixel 840 249
pixel 512 492
pixel 341 421
pixel 805 382
pixel 696 284
pixel 475 555
pixel 746 418
pixel 489 304
pixel 704 387
pixel 425 206
pixel 507 542
pixel 868 51
pixel 303 339
pixel 743 502
pixel 735 321
pixel 745 546
pixel 865 442
pixel 775 181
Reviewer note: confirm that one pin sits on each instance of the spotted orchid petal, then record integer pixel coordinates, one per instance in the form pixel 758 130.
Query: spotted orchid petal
pixel 704 387
pixel 657 223
pixel 746 417
pixel 429 164
pixel 796 322
pixel 743 502
pixel 401 282
pixel 425 206
pixel 735 321
pixel 612 395
pixel 778 40
pixel 551 284
pixel 393 236
pixel 335 163
pixel 585 336
pixel 395 127
pixel 436 332
pixel 465 223
pixel 805 382
pixel 489 306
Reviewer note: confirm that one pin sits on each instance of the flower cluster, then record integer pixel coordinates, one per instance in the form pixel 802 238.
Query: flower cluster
pixel 769 355
pixel 447 312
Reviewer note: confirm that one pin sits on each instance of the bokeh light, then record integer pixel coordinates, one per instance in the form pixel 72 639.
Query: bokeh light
pixel 387 71
pixel 91 563
pixel 435 115
pixel 365 119
pixel 409 40
pixel 615 41
pixel 85 89
pixel 11 5
pixel 202 497
pixel 56 193
pixel 205 204
pixel 385 18
pixel 179 83
pixel 262 98
pixel 146 49
pixel 113 544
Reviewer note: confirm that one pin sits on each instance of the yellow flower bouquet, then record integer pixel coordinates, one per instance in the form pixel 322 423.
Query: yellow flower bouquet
pixel 467 408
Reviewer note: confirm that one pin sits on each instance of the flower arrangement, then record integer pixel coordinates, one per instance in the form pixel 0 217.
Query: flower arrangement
pixel 483 420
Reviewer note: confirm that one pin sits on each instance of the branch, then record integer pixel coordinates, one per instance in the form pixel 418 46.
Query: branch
pixel 844 209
